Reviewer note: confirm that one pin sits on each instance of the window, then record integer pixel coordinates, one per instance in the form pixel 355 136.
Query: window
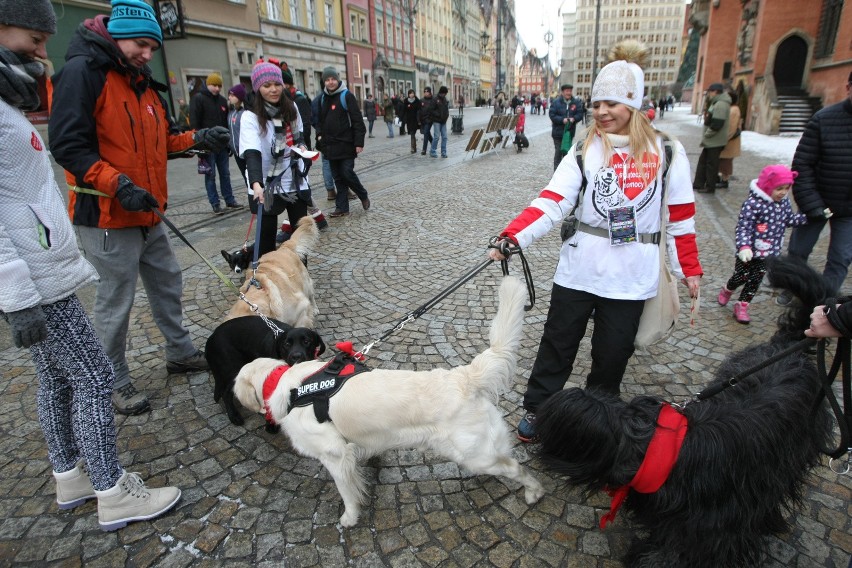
pixel 273 10
pixel 380 34
pixel 829 21
pixel 362 27
pixel 390 34
pixel 398 38
pixel 295 19
pixel 312 14
pixel 406 38
pixel 329 18
pixel 353 26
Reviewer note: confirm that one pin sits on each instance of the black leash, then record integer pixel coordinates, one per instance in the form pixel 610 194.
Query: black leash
pixel 716 389
pixel 842 360
pixel 254 307
pixel 504 247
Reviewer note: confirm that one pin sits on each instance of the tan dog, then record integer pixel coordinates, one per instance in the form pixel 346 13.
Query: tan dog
pixel 286 290
pixel 452 412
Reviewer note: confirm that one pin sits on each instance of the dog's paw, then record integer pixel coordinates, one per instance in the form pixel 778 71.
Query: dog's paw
pixel 236 419
pixel 533 493
pixel 349 519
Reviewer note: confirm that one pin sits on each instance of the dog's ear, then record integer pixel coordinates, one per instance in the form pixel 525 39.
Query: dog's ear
pixel 320 345
pixel 228 258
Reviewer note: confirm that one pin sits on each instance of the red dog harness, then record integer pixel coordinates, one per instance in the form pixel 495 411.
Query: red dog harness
pixel 658 462
pixel 269 386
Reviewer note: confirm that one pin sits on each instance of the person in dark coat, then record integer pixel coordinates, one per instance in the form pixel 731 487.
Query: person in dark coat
pixel 410 117
pixel 425 121
pixel 340 137
pixel 370 114
pixel 399 109
pixel 565 112
pixel 208 108
pixel 303 104
pixel 823 190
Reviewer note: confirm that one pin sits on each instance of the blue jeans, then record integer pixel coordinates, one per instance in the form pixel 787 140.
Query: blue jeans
pixel 370 130
pixel 219 161
pixel 327 176
pixel 803 239
pixel 426 129
pixel 390 129
pixel 345 179
pixel 439 129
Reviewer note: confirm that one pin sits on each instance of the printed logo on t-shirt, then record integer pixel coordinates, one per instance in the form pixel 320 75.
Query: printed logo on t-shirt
pixel 36 143
pixel 613 186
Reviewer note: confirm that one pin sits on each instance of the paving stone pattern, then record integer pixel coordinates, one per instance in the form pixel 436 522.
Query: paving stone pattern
pixel 248 500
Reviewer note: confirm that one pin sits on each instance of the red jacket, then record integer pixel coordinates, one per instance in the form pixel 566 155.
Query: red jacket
pixel 106 120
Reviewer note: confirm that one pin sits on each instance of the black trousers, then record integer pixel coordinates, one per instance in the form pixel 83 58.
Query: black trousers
pixel 616 324
pixel 269 223
pixel 707 170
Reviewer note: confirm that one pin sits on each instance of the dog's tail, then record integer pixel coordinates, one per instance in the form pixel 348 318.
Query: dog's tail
pixel 492 370
pixel 306 236
pixel 805 283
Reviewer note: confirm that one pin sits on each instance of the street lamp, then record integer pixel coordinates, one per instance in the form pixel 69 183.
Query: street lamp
pixel 548 39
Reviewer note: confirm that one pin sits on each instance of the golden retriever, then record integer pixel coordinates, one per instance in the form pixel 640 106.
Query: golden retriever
pixel 450 411
pixel 286 290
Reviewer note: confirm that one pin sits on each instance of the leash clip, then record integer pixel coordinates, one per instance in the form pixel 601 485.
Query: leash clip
pixel 847 469
pixel 254 282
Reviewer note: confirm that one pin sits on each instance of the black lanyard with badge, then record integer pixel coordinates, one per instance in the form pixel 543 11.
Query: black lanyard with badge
pixel 621 220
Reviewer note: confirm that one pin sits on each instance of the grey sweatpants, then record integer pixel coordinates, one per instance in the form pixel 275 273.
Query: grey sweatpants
pixel 120 257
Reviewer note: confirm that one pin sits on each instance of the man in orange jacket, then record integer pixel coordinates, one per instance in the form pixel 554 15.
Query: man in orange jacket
pixel 110 130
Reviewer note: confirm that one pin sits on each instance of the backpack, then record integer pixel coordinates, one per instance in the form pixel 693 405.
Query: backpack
pixel 571 222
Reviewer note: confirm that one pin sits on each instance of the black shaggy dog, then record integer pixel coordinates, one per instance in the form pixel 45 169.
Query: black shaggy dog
pixel 242 340
pixel 745 457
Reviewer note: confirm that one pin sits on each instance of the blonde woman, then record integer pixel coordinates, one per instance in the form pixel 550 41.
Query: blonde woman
pixel 610 266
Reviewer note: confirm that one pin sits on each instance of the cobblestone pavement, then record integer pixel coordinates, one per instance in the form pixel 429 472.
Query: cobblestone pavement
pixel 248 500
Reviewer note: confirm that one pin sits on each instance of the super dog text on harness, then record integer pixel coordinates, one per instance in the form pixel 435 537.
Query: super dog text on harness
pixel 318 388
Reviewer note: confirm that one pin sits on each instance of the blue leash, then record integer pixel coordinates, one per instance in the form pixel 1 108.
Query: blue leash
pixel 255 261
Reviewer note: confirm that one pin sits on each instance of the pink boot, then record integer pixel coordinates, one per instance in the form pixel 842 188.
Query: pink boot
pixel 724 296
pixel 741 312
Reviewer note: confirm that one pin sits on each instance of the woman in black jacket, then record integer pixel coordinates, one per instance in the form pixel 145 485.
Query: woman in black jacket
pixel 411 117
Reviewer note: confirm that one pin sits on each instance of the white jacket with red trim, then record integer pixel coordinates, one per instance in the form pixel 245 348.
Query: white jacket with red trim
pixel 590 263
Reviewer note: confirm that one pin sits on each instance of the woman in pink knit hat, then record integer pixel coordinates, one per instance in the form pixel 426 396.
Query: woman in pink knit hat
pixel 764 216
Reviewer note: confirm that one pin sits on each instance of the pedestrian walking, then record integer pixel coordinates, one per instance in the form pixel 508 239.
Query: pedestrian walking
pixel 370 114
pixel 439 113
pixel 42 272
pixel 425 118
pixel 341 138
pixel 599 275
pixel 388 110
pixel 267 135
pixel 208 108
pixel 764 216
pixel 103 103
pixel 410 115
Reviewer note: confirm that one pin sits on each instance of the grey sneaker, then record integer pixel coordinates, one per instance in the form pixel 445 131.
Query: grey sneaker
pixel 195 362
pixel 129 500
pixel 73 487
pixel 127 400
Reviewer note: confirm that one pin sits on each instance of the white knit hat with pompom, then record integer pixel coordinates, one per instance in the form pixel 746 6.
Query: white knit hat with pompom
pixel 622 80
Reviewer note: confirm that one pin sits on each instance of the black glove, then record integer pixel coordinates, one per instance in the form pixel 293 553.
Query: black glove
pixel 819 214
pixel 134 198
pixel 213 139
pixel 28 326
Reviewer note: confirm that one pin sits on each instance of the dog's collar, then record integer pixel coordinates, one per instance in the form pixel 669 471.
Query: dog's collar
pixel 269 386
pixel 658 462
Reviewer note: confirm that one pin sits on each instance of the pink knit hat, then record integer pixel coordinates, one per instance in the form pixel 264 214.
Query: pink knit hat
pixel 264 72
pixel 773 177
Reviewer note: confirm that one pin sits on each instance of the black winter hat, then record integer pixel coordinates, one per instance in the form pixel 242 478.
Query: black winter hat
pixel 37 15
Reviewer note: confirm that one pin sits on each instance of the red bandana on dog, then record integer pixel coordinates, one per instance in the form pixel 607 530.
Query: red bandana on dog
pixel 269 386
pixel 659 460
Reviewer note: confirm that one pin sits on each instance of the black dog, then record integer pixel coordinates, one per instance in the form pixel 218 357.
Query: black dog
pixel 239 260
pixel 745 456
pixel 242 340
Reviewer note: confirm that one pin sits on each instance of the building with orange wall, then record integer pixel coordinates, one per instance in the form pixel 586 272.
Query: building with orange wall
pixel 783 59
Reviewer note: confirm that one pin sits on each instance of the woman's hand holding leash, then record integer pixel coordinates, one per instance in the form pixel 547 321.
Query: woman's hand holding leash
pixel 820 326
pixel 258 192
pixel 501 248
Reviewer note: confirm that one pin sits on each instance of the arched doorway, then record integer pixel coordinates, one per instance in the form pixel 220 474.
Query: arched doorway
pixel 789 68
